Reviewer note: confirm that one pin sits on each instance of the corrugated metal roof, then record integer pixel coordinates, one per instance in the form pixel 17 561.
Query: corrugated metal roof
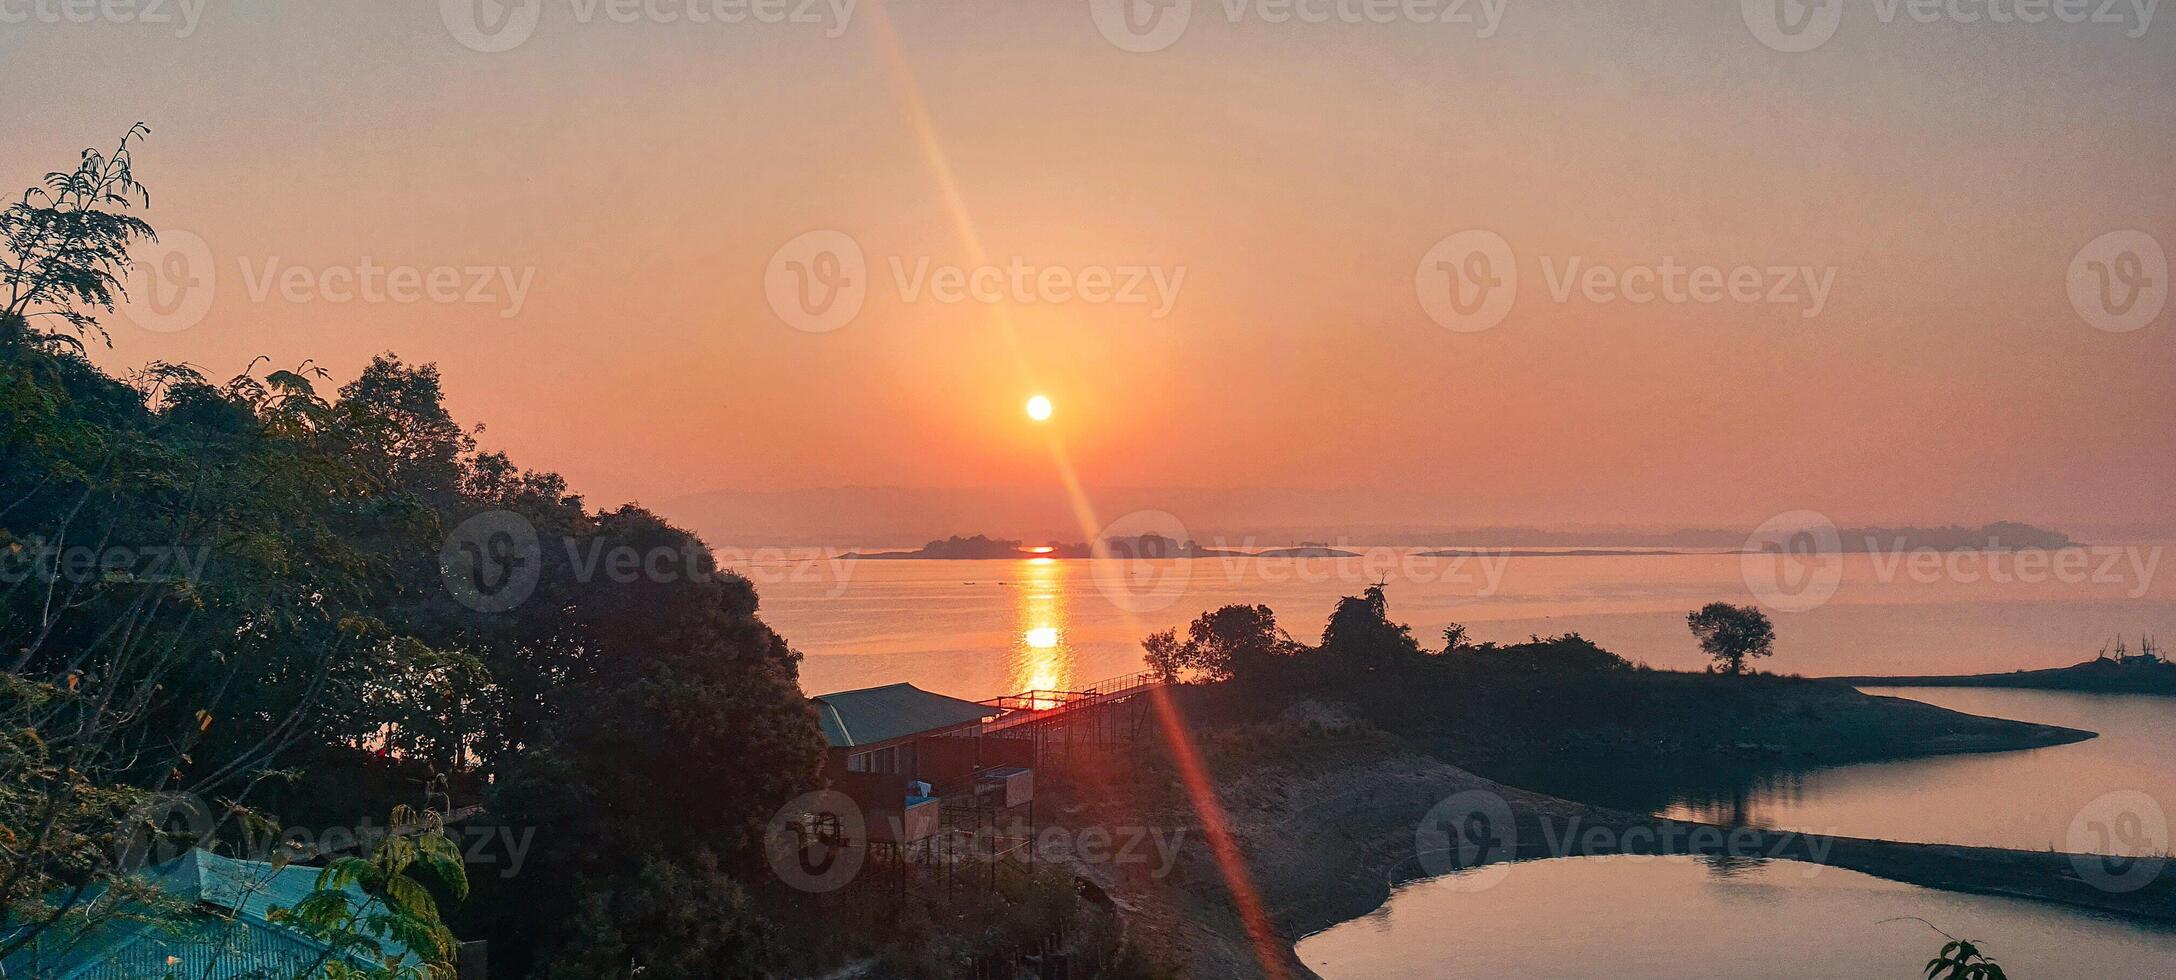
pixel 880 714
pixel 231 936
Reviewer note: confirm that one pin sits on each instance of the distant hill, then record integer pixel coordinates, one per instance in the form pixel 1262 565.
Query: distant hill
pixel 1999 536
pixel 982 548
pixel 2100 676
pixel 1307 551
pixel 898 520
pixel 977 548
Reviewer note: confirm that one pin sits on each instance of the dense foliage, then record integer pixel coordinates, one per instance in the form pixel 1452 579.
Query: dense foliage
pixel 1228 642
pixel 238 591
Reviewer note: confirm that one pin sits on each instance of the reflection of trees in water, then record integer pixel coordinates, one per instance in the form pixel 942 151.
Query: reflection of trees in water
pixel 1738 799
pixel 1732 866
pixel 1720 796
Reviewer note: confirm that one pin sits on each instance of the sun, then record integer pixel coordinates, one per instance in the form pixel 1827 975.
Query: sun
pixel 1039 408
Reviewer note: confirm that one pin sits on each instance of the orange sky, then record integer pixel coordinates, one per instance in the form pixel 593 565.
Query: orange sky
pixel 642 175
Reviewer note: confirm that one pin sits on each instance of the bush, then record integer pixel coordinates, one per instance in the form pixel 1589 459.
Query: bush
pixel 1566 654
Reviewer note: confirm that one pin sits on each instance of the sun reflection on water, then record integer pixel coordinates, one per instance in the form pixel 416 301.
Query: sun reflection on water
pixel 1043 659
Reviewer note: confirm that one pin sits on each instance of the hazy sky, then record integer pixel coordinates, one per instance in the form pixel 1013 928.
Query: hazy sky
pixel 631 183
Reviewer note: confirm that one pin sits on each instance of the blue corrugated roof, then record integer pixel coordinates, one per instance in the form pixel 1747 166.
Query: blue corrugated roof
pixel 230 935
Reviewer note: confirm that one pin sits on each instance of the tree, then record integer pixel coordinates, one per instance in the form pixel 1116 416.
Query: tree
pixel 1360 631
pixel 1732 634
pixel 1166 656
pixel 179 579
pixel 396 881
pixel 1455 639
pixel 1234 641
pixel 67 245
pixel 667 689
pixel 286 605
pixel 667 921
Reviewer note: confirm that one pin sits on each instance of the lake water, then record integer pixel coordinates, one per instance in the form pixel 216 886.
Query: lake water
pixel 2108 795
pixel 1675 917
pixel 2068 797
pixel 979 629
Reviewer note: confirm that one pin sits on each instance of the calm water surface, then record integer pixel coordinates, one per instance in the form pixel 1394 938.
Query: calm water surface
pixel 978 629
pixel 1671 918
pixel 2061 797
pixel 2082 797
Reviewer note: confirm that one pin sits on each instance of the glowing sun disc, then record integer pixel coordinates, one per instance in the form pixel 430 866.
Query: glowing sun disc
pixel 1039 408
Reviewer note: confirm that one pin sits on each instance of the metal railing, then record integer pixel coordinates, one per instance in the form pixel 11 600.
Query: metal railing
pixel 1027 706
pixel 1042 699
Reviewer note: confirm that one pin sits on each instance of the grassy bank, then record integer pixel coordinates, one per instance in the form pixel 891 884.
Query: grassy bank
pixel 1478 716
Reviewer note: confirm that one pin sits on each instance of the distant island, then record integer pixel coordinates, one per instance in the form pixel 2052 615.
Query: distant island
pixel 1145 546
pixel 1564 553
pixel 1995 536
pixel 984 548
pixel 978 548
pixel 1303 551
pixel 1998 536
pixel 2113 672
